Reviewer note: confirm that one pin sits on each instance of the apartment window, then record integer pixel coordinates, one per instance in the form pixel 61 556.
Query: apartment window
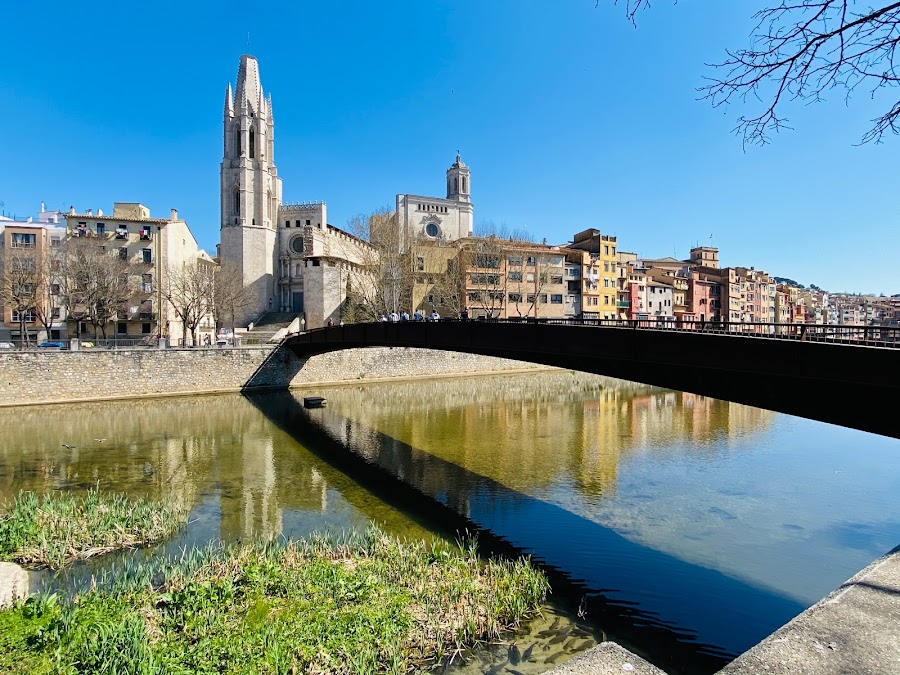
pixel 613 250
pixel 515 297
pixel 54 313
pixel 101 229
pixel 530 261
pixel 27 316
pixel 54 289
pixel 420 263
pixel 21 240
pixel 606 250
pixel 594 301
pixel 514 261
pixel 146 233
pixel 485 279
pixel 147 282
pixel 543 298
pixel 530 297
pixel 145 329
pixel 556 299
pixel 514 276
pixel 606 267
pixel 556 279
pixel 308 222
pixel 529 277
pixel 474 297
pixel 490 262
pixel 605 299
pixel 121 328
pixel 55 243
pixel 121 231
pixel 570 299
pixel 123 253
pixel 147 255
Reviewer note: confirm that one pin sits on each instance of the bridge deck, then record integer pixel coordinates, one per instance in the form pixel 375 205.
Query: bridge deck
pixel 845 381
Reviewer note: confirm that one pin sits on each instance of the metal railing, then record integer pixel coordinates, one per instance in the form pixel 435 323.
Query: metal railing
pixel 881 335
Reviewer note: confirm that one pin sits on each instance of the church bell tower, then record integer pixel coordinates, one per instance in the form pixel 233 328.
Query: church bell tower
pixel 250 189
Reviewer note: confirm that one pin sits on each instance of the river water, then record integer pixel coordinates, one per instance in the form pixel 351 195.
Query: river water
pixel 683 527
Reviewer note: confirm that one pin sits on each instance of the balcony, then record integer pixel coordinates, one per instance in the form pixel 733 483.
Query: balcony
pixel 121 234
pixel 146 235
pixel 146 316
pixel 623 305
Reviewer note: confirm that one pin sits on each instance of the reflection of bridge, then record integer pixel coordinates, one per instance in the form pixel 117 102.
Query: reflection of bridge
pixel 840 379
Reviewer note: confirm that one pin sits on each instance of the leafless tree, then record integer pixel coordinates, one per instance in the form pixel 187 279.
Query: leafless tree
pixel 19 286
pixel 189 290
pixel 48 307
pixel 380 278
pixel 803 49
pixel 94 284
pixel 228 295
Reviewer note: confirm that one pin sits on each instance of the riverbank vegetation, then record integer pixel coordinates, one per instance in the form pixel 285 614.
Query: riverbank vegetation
pixel 57 529
pixel 363 603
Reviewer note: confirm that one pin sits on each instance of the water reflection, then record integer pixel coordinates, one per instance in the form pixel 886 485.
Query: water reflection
pixel 691 527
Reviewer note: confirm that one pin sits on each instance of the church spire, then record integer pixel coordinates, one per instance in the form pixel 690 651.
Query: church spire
pixel 458 180
pixel 229 102
pixel 249 89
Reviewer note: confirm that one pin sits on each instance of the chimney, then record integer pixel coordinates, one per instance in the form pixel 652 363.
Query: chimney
pixel 174 215
pixel 99 212
pixel 90 212
pixel 71 210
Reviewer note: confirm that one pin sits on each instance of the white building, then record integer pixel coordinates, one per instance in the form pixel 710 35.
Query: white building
pixel 289 257
pixel 435 218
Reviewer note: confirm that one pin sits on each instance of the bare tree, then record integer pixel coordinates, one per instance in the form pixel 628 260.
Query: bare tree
pixel 802 49
pixel 95 284
pixel 228 295
pixel 47 308
pixel 19 286
pixel 380 280
pixel 189 289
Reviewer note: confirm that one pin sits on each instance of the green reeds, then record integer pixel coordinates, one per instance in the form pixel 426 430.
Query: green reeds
pixel 57 529
pixel 329 604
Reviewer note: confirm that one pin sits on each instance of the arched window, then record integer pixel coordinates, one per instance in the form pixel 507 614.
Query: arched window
pixel 237 201
pixel 455 185
pixel 237 140
pixel 252 145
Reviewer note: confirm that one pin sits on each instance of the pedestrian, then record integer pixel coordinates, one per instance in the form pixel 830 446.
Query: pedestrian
pixel 435 316
pixel 404 316
pixel 330 322
pixel 464 315
pixel 382 319
pixel 302 324
pixel 395 317
pixel 342 323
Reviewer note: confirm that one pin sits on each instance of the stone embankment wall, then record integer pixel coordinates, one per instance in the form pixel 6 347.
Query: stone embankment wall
pixel 51 377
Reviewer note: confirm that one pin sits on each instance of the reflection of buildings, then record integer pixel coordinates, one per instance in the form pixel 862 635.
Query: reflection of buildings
pixel 529 431
pixel 187 449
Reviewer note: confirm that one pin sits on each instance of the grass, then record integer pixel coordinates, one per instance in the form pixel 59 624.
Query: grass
pixel 57 529
pixel 357 604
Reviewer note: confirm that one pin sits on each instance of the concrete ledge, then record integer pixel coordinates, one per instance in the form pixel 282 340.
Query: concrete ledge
pixel 855 629
pixel 13 583
pixel 607 658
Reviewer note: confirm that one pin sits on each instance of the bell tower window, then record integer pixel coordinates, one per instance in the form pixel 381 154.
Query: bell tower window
pixel 252 145
pixel 237 140
pixel 237 202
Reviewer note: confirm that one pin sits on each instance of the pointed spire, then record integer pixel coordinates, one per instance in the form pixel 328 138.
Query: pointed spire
pixel 229 102
pixel 249 88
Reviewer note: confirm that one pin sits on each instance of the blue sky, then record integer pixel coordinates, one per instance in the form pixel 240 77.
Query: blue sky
pixel 568 116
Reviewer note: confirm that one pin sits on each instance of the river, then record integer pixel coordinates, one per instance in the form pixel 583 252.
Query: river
pixel 683 527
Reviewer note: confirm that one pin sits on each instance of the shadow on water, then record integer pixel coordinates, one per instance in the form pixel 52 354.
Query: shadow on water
pixel 508 522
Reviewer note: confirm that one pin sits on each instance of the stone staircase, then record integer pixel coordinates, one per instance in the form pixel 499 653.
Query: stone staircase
pixel 267 327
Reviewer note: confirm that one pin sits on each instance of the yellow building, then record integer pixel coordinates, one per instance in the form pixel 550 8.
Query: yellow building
pixel 600 274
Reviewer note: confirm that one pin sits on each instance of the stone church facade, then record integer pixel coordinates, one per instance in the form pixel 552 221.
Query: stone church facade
pixel 289 258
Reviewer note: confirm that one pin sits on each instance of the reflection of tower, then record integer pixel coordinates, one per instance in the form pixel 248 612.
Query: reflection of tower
pixel 250 508
pixel 250 187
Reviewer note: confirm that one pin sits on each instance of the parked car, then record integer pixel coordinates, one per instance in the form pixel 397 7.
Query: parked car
pixel 87 345
pixel 52 344
pixel 7 345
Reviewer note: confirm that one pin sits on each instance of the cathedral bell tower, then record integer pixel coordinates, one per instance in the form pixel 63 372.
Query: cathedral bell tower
pixel 250 189
pixel 458 181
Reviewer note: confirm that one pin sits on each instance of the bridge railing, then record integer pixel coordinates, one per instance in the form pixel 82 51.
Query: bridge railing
pixel 879 335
